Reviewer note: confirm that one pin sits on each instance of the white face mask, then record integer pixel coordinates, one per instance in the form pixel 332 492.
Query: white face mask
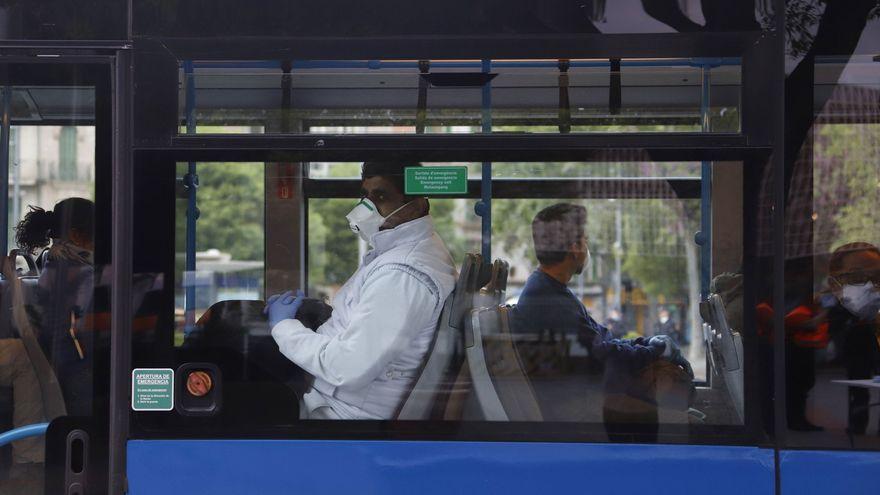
pixel 862 300
pixel 365 220
pixel 664 319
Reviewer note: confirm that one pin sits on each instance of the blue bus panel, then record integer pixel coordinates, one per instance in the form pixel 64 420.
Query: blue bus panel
pixel 269 467
pixel 806 472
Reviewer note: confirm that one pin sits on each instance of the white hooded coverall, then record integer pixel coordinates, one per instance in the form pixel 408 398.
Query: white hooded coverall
pixel 366 357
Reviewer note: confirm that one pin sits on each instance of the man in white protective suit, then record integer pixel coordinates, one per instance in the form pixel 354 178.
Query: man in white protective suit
pixel 367 356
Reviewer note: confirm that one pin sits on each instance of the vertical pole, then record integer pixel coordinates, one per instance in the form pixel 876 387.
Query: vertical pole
pixel 486 182
pixel 191 180
pixel 16 180
pixel 777 129
pixel 121 255
pixel 4 166
pixel 617 301
pixel 705 236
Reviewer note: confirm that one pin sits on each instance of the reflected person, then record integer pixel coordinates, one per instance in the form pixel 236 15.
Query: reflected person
pixel 366 357
pixel 854 278
pixel 546 303
pixel 666 326
pixel 64 292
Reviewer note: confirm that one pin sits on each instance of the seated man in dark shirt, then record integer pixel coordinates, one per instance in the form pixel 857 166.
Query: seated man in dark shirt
pixel 546 304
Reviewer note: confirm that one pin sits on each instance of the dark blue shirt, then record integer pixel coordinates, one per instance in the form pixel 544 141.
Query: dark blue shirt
pixel 546 304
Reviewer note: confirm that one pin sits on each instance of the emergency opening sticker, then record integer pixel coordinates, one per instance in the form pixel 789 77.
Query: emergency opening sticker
pixel 152 389
pixel 435 180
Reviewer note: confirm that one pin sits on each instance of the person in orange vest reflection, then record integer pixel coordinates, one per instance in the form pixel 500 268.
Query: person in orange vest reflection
pixel 806 329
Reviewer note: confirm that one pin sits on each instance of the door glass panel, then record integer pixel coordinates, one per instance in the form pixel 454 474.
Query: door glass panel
pixel 54 329
pixel 832 257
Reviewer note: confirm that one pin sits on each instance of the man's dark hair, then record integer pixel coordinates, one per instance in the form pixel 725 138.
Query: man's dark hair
pixel 393 171
pixel 556 229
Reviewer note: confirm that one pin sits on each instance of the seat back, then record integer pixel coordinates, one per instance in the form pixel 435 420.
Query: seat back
pixel 501 388
pixel 18 297
pixel 492 293
pixel 235 335
pixel 431 391
pixel 725 348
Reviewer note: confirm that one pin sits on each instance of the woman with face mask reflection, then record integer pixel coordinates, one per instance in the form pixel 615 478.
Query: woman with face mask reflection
pixel 854 278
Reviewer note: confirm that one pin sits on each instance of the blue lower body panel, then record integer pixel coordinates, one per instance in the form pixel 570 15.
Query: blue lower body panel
pixel 219 467
pixel 805 472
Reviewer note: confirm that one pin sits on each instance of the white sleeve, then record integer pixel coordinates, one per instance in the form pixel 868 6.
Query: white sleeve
pixel 395 304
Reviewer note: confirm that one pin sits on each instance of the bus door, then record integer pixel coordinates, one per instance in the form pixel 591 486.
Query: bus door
pixel 55 166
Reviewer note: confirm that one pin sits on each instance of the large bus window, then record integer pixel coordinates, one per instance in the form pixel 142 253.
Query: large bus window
pixel 619 341
pixel 833 263
pixel 444 96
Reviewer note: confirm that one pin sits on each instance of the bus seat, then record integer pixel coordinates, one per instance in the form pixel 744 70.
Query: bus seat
pixel 502 389
pixel 437 380
pixel 726 348
pixel 16 324
pixel 492 293
pixel 434 377
pixel 29 286
pixel 466 286
pixel 259 383
pixel 235 335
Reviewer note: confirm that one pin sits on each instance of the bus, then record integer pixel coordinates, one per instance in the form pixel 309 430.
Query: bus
pixel 170 166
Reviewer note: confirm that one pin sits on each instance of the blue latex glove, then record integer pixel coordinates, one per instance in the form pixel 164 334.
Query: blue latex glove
pixel 283 307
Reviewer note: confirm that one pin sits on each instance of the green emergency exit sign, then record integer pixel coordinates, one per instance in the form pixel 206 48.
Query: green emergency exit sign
pixel 436 180
pixel 152 389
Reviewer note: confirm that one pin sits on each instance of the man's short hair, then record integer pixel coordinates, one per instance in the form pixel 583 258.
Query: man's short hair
pixel 393 171
pixel 835 264
pixel 556 229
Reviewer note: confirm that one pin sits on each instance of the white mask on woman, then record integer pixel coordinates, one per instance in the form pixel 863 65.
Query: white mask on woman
pixel 861 300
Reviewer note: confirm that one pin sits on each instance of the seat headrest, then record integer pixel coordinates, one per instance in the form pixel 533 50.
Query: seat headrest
pixel 465 287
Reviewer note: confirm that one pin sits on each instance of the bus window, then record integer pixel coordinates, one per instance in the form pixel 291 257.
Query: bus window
pixel 452 96
pixel 653 370
pixel 832 277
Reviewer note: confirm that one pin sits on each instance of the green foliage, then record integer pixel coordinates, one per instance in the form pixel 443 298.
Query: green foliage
pixel 333 248
pixel 230 201
pixel 846 184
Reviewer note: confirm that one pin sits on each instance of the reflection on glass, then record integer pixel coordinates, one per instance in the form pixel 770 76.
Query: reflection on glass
pixel 443 97
pixel 832 225
pixel 55 314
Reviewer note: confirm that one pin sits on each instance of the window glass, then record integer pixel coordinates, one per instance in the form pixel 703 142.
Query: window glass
pixel 832 263
pixel 443 96
pixel 67 154
pixel 613 339
pixel 228 252
pixel 54 326
pixel 833 231
pixel 41 158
